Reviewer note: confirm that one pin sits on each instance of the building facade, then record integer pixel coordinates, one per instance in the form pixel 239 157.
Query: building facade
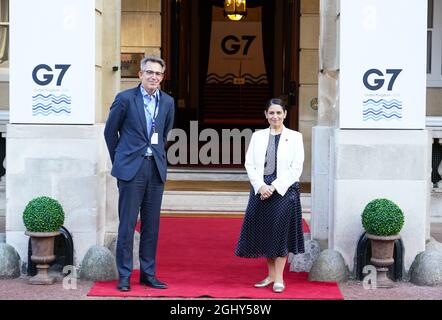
pixel 282 48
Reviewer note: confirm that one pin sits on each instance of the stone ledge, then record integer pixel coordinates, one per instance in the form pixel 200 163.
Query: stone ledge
pixel 189 174
pixel 62 131
pixel 214 201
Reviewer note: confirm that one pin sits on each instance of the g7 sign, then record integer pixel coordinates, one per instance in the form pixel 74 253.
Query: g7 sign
pixel 378 83
pixel 231 44
pixel 47 77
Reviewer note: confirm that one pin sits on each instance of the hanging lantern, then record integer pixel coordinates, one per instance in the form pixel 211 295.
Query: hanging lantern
pixel 235 9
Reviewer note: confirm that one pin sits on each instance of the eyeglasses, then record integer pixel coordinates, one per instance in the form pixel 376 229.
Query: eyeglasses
pixel 151 73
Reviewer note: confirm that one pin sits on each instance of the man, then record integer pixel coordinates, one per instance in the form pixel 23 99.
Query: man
pixel 136 134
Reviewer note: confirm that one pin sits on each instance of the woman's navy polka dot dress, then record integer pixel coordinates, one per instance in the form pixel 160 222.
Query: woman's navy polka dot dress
pixel 272 227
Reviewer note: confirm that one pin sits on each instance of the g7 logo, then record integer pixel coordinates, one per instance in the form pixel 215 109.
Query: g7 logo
pixel 379 82
pixel 235 46
pixel 47 77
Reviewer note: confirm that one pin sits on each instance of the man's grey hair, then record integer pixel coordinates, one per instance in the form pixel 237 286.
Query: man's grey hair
pixel 152 58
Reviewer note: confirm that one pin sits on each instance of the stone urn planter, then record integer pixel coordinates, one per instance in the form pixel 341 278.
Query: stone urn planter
pixel 382 252
pixel 382 220
pixel 42 255
pixel 43 217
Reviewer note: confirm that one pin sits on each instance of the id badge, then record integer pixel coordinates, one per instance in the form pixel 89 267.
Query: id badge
pixel 154 138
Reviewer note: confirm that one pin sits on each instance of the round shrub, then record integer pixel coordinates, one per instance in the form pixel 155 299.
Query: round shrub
pixel 382 217
pixel 43 214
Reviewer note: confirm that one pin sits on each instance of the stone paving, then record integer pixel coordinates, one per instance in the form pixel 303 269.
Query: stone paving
pixel 19 289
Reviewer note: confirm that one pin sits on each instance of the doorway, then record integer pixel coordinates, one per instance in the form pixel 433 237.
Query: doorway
pixel 222 73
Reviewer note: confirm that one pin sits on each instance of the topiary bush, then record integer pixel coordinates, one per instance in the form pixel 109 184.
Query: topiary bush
pixel 43 214
pixel 382 217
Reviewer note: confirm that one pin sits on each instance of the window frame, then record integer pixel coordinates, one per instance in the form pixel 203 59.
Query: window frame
pixel 4 66
pixel 434 79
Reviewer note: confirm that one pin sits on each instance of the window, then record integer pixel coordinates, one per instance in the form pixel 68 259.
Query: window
pixel 434 44
pixel 4 31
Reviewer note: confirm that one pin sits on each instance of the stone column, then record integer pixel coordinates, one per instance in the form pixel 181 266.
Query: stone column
pixel 369 164
pixel 66 162
pixel 371 157
pixel 4 119
pixel 111 85
pixel 352 167
pixel 434 125
pixel 327 114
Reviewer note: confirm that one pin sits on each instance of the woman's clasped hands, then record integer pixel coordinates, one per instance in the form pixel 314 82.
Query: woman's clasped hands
pixel 266 191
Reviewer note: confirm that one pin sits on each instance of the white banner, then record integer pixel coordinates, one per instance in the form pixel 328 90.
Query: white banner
pixel 383 64
pixel 52 61
pixel 236 52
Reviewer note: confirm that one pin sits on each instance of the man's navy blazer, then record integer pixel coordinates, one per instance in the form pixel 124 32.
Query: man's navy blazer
pixel 126 133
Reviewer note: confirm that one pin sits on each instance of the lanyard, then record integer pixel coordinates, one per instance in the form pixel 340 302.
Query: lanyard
pixel 155 112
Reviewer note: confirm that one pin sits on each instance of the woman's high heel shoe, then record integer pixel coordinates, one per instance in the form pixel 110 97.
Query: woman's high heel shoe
pixel 263 283
pixel 278 287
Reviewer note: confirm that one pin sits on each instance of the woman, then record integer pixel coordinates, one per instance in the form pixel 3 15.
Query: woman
pixel 272 225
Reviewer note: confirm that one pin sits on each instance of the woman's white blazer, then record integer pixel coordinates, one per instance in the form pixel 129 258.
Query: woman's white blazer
pixel 290 158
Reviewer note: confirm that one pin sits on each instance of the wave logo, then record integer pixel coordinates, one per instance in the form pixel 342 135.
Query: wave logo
pixel 51 105
pixel 229 78
pixel 382 110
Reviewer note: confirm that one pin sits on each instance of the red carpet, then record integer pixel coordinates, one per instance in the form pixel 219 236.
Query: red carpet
pixel 196 259
pixel 305 227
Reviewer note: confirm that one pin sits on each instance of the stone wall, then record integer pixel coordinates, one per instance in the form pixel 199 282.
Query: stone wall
pixel 369 164
pixel 328 104
pixel 66 162
pixel 308 77
pixel 140 31
pixel 352 167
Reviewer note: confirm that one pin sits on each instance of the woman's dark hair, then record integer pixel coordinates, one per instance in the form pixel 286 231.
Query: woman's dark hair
pixel 276 101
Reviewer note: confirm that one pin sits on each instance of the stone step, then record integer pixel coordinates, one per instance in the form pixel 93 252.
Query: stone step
pixel 195 179
pixel 215 202
pixel 212 191
pixel 201 174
